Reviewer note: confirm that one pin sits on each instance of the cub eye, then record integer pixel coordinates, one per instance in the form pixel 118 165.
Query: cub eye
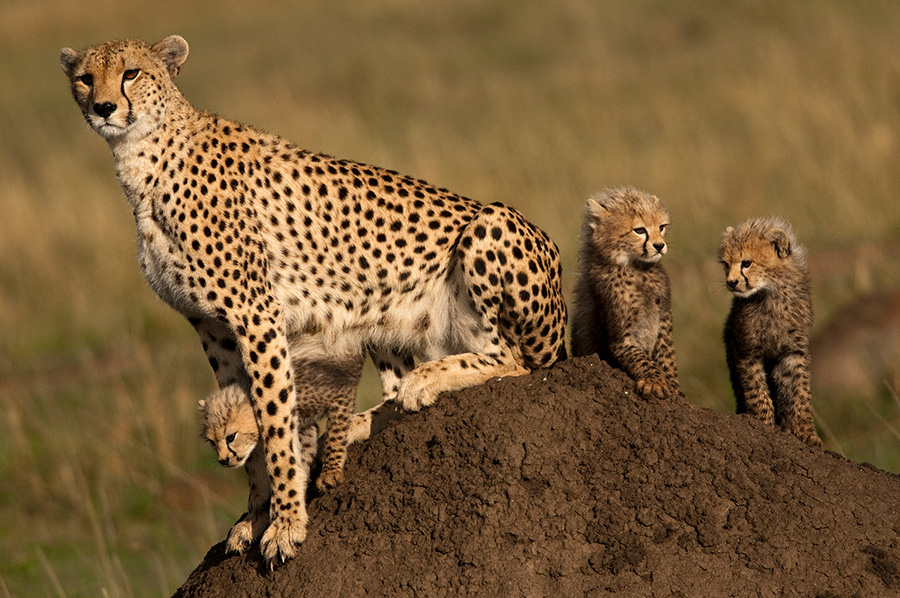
pixel 131 74
pixel 662 227
pixel 87 79
pixel 746 264
pixel 230 438
pixel 640 230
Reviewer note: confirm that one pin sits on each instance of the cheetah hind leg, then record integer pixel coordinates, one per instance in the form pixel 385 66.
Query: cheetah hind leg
pixel 423 385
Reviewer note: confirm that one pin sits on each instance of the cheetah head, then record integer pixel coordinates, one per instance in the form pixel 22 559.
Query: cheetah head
pixel 229 425
pixel 755 253
pixel 627 226
pixel 124 87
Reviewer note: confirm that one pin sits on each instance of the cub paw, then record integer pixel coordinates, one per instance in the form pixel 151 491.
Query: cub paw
pixel 809 438
pixel 242 535
pixel 653 387
pixel 279 542
pixel 328 479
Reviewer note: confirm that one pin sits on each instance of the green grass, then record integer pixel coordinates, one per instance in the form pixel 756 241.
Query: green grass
pixel 724 110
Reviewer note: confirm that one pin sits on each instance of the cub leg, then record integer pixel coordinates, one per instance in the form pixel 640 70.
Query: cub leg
pixel 794 398
pixel 754 397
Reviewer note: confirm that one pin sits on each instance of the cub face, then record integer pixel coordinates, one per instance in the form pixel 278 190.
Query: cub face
pixel 755 255
pixel 229 425
pixel 121 86
pixel 628 226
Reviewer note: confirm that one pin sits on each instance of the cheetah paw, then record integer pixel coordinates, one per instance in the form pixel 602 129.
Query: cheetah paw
pixel 811 439
pixel 653 386
pixel 414 393
pixel 242 535
pixel 328 479
pixel 279 542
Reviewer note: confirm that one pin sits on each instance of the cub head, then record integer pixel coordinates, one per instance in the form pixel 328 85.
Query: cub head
pixel 228 423
pixel 757 254
pixel 626 226
pixel 123 87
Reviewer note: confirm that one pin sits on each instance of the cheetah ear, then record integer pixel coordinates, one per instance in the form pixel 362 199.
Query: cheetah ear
pixel 780 241
pixel 68 60
pixel 594 212
pixel 595 209
pixel 173 51
pixel 201 405
pixel 729 230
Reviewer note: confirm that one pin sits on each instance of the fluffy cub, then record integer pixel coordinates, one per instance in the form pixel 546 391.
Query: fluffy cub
pixel 622 306
pixel 767 331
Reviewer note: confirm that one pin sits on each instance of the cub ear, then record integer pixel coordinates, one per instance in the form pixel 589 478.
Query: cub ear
pixel 201 405
pixel 68 60
pixel 780 242
pixel 173 51
pixel 595 211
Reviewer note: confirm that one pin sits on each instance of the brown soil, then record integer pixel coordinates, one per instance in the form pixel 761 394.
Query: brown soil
pixel 564 483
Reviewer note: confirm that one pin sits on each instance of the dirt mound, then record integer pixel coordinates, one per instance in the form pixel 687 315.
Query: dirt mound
pixel 565 483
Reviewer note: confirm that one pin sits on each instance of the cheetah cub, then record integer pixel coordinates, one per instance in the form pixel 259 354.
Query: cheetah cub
pixel 291 265
pixel 767 331
pixel 227 422
pixel 622 306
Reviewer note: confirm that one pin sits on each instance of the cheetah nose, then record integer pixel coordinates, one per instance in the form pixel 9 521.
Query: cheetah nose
pixel 105 109
pixel 223 462
pixel 659 247
pixel 732 284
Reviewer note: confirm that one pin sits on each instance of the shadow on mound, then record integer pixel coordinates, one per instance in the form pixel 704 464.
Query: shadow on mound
pixel 565 483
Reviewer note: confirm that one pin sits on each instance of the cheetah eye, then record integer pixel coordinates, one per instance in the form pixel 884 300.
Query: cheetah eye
pixel 662 227
pixel 131 74
pixel 230 438
pixel 746 264
pixel 87 80
pixel 640 230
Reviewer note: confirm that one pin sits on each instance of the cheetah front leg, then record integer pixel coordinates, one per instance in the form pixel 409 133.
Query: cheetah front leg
pixel 250 527
pixel 221 351
pixel 664 355
pixel 649 379
pixel 752 390
pixel 263 345
pixel 794 398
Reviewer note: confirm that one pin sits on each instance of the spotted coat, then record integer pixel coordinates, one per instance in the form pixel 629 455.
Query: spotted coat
pixel 291 265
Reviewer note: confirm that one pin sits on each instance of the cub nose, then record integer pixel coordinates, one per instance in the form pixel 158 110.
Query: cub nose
pixel 105 109
pixel 732 284
pixel 659 246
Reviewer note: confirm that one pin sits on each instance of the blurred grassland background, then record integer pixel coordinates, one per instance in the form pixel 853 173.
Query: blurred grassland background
pixel 725 110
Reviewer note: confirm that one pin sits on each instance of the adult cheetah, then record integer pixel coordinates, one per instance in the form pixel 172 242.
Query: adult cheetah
pixel 290 265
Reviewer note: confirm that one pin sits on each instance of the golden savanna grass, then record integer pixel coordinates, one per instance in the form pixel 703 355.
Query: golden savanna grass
pixel 724 110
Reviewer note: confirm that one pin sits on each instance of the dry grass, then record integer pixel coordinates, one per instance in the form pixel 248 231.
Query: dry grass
pixel 725 110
